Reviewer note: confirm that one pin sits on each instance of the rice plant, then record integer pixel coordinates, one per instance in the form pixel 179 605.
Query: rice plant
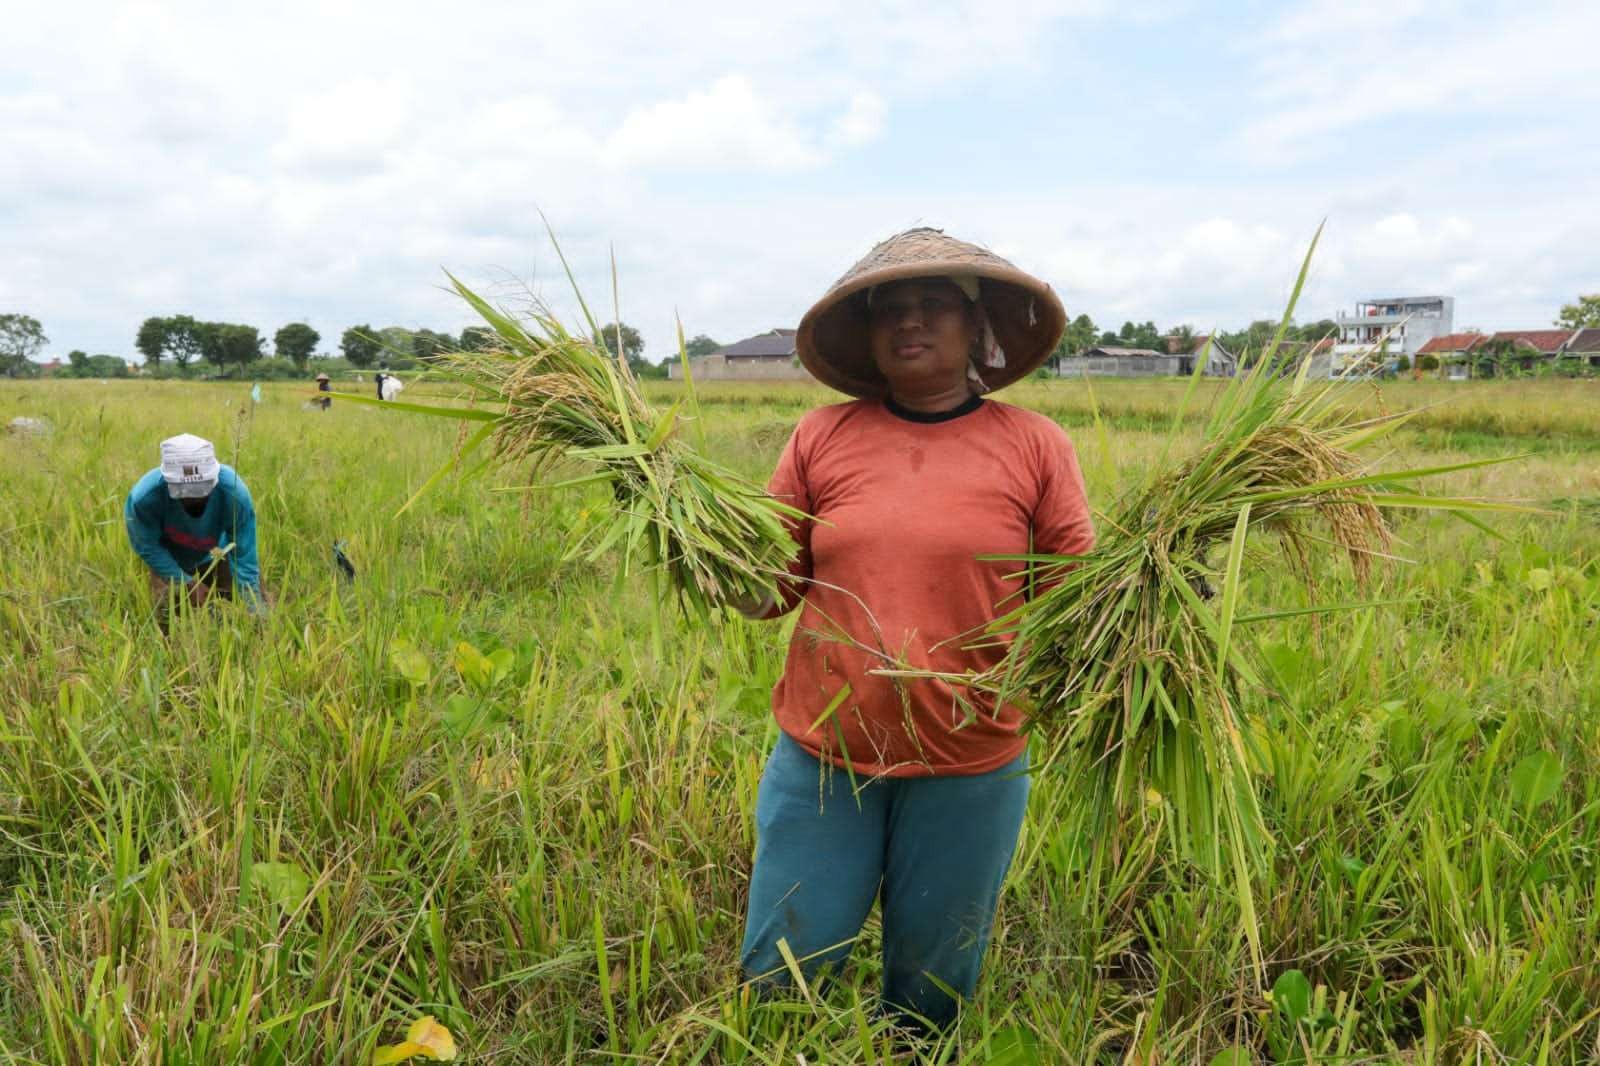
pixel 554 396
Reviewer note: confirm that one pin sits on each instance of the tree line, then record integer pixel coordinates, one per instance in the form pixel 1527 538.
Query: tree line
pixel 182 340
pixel 1082 334
pixel 180 343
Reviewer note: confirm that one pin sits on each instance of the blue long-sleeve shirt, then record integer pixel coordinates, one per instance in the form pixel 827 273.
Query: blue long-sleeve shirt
pixel 174 545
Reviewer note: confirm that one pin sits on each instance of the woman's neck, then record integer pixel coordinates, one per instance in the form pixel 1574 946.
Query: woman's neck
pixel 933 401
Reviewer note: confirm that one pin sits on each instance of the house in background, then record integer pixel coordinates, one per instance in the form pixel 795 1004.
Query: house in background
pixel 1454 352
pixel 1101 361
pixel 1220 363
pixel 768 356
pixel 1401 325
pixel 1531 346
pixel 1582 349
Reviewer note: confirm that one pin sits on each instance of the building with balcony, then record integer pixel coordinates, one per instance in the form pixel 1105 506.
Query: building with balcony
pixel 1400 324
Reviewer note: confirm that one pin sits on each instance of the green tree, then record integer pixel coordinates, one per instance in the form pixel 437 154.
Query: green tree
pixel 21 338
pixel 632 342
pixel 426 344
pixel 296 342
pixel 1079 336
pixel 360 346
pixel 700 344
pixel 80 365
pixel 1251 342
pixel 152 340
pixel 1501 358
pixel 184 338
pixel 240 345
pixel 632 347
pixel 1316 331
pixel 209 335
pixel 1585 314
pixel 106 366
pixel 1146 335
pixel 477 339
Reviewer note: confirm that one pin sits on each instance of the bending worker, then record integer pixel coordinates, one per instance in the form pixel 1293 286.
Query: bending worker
pixel 193 523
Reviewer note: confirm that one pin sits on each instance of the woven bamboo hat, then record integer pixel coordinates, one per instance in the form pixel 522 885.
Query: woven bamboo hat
pixel 1026 316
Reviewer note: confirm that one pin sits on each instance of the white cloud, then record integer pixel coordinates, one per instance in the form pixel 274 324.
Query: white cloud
pixel 863 121
pixel 1329 66
pixel 727 125
pixel 347 128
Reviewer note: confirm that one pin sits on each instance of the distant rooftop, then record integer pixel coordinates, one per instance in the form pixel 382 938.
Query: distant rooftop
pixel 774 342
pixel 1453 342
pixel 1585 340
pixel 1543 340
pixel 1121 352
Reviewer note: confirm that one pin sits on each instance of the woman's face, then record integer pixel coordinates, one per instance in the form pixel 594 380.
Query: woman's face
pixel 921 332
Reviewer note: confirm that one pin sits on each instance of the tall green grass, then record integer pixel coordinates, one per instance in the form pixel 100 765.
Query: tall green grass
pixel 474 784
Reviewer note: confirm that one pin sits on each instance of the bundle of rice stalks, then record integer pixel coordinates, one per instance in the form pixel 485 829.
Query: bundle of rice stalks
pixel 1134 671
pixel 555 396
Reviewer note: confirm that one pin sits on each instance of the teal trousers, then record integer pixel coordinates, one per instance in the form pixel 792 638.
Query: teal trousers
pixel 933 850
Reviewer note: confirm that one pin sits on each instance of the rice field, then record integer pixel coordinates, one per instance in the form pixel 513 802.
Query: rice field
pixel 507 789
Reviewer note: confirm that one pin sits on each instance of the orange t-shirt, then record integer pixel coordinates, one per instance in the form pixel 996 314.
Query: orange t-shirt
pixel 888 575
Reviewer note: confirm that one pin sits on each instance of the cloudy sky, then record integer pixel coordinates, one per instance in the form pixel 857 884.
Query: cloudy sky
pixel 323 161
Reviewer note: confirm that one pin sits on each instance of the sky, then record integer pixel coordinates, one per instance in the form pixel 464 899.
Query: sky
pixel 327 161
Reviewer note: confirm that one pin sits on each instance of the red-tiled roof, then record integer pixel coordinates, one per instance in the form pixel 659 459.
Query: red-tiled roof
pixel 1453 342
pixel 1542 340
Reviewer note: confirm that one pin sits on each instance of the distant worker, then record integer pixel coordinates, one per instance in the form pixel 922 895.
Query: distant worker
pixel 380 379
pixel 193 523
pixel 324 384
pixel 390 388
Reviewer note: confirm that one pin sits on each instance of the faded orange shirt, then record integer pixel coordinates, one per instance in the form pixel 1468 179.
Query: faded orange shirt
pixel 888 574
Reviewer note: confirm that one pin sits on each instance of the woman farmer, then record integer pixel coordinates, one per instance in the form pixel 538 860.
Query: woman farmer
pixel 909 793
pixel 325 384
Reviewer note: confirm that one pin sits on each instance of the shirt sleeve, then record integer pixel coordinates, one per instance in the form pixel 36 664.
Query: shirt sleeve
pixel 789 485
pixel 1062 523
pixel 143 521
pixel 242 535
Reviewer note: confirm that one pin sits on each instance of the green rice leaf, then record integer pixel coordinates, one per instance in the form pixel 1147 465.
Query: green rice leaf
pixel 460 414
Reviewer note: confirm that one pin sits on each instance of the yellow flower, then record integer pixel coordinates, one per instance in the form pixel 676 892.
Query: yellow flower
pixel 426 1037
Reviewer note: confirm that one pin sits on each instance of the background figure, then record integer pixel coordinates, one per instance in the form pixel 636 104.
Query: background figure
pixel 324 385
pixel 182 516
pixel 390 387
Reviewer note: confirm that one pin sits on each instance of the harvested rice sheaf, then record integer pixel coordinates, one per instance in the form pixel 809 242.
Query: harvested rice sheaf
pixel 1133 667
pixel 719 538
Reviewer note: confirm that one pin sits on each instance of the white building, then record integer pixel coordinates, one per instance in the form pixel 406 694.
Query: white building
pixel 1403 324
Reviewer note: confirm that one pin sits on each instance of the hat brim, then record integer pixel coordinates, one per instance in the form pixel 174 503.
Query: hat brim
pixel 1026 315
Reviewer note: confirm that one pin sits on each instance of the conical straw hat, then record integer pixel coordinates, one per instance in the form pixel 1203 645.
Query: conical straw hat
pixel 1026 316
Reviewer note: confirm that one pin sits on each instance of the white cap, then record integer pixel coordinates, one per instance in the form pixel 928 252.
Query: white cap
pixel 188 466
